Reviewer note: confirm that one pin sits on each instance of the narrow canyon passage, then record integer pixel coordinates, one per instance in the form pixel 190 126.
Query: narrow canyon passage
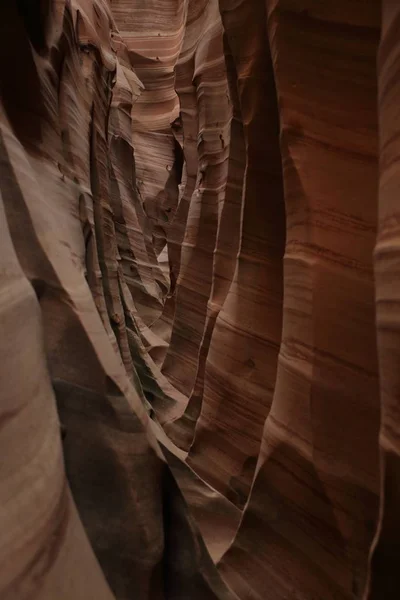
pixel 200 300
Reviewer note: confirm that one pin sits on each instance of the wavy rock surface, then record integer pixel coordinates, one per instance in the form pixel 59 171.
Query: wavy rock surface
pixel 224 260
pixel 153 33
pixel 384 580
pixel 58 147
pixel 198 300
pixel 241 364
pixel 206 112
pixel 313 507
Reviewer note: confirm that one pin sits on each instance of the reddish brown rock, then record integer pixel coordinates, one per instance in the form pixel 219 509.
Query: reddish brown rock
pixel 206 113
pixel 384 581
pixel 241 364
pixel 78 337
pixel 191 326
pixel 312 511
pixel 224 261
pixel 153 32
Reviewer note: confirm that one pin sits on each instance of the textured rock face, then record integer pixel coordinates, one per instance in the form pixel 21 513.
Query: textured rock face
pixel 313 506
pixel 241 364
pixel 205 108
pixel 199 304
pixel 71 226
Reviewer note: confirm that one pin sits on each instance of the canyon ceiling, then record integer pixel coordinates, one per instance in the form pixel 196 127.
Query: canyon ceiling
pixel 200 300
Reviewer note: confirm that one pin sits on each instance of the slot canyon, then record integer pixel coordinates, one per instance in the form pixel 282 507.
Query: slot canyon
pixel 200 300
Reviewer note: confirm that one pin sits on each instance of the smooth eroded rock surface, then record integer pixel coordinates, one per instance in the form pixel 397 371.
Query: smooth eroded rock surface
pixel 199 301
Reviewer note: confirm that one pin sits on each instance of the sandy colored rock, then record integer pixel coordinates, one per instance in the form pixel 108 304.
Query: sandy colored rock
pixel 198 300
pixel 73 301
pixel 208 106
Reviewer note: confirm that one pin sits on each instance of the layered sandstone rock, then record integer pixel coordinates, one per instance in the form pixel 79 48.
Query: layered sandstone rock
pixel 384 581
pixel 206 113
pixel 199 366
pixel 241 364
pixel 66 238
pixel 313 506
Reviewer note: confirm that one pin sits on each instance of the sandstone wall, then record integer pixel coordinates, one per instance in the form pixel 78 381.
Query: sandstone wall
pixel 199 300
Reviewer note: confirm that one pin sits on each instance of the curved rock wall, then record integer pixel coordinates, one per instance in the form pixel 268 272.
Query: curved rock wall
pixel 206 112
pixel 313 507
pixel 383 579
pixel 241 364
pixel 67 234
pixel 198 300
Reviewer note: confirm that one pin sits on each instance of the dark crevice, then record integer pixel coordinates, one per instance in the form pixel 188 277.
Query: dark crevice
pixel 34 14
